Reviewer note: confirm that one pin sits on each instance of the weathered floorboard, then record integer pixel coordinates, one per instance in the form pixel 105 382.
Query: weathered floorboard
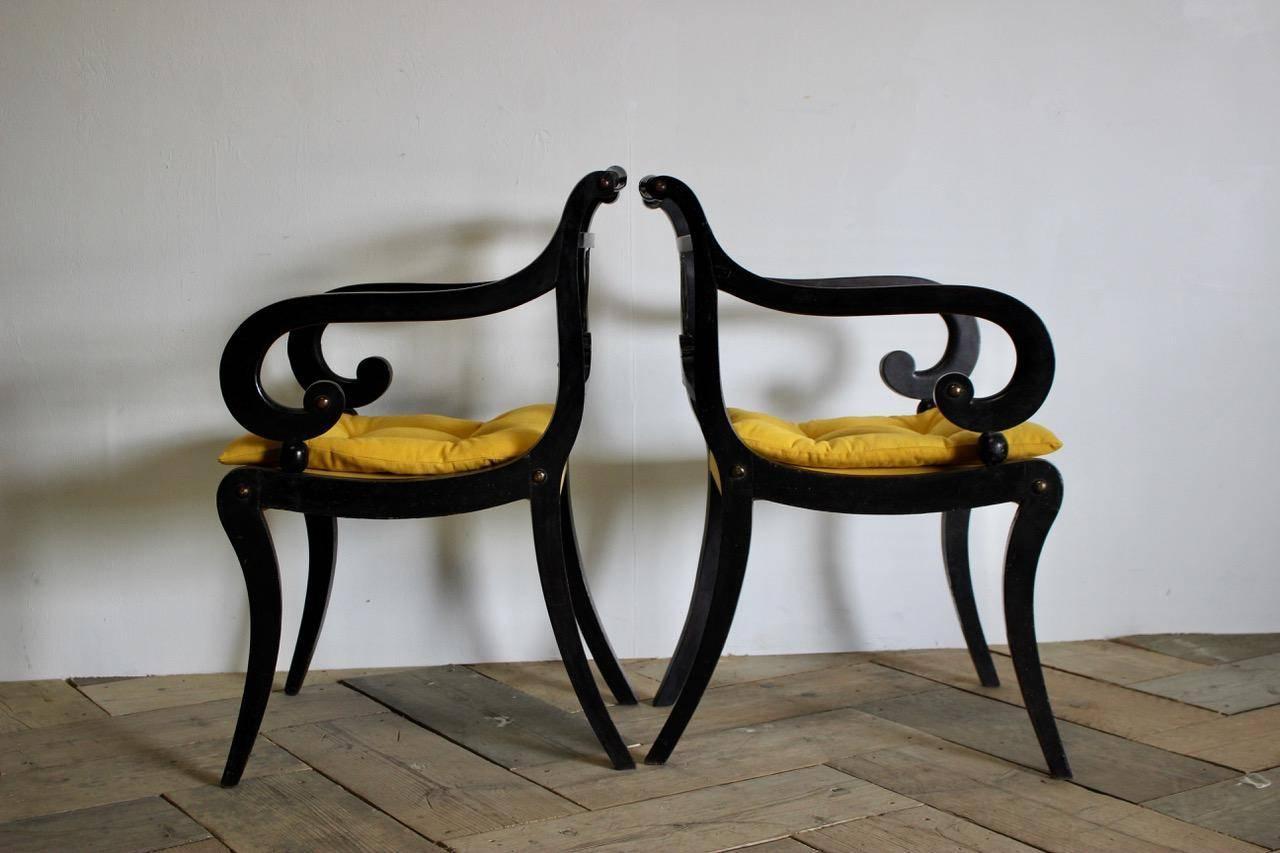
pixel 781 845
pixel 1247 742
pixel 132 695
pixel 502 724
pixel 146 824
pixel 1207 648
pixel 166 728
pixel 547 680
pixel 771 699
pixel 209 845
pixel 1247 807
pixel 708 819
pixel 1091 703
pixel 1110 661
pixel 300 812
pixel 1052 815
pixel 1227 687
pixel 921 829
pixel 117 778
pixel 35 704
pixel 717 758
pixel 739 669
pixel 1104 762
pixel 419 778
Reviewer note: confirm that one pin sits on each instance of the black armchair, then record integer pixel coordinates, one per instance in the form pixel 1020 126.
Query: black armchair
pixel 979 472
pixel 284 479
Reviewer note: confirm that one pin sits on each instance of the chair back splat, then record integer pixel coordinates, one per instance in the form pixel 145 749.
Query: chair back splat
pixel 958 452
pixel 303 459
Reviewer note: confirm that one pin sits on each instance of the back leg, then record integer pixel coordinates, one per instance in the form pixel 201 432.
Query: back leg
pixel 584 609
pixel 322 543
pixel 955 554
pixel 247 529
pixel 695 623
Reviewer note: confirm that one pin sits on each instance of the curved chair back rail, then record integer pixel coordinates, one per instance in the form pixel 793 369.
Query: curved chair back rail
pixel 707 269
pixel 738 476
pixel 540 475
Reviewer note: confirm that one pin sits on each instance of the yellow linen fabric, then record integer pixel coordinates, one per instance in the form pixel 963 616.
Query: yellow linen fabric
pixel 408 444
pixel 927 440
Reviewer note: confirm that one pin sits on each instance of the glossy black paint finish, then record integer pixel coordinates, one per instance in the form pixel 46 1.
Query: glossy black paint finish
pixel 540 476
pixel 584 608
pixel 700 606
pixel 739 477
pixel 955 556
pixel 322 542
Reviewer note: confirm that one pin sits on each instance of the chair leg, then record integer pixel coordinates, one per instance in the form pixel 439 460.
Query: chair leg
pixel 1031 525
pixel 322 542
pixel 549 544
pixel 695 623
pixel 731 547
pixel 584 609
pixel 955 554
pixel 247 529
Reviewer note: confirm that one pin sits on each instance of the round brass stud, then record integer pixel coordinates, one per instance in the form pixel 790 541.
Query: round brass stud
pixel 659 186
pixel 539 476
pixel 244 490
pixel 955 389
pixel 323 402
pixel 737 471
pixel 1039 486
pixel 606 182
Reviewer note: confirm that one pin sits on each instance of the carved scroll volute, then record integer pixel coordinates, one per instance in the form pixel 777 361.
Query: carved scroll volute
pixel 306 358
pixel 898 368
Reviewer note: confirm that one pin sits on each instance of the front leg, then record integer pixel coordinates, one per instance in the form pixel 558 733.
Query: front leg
pixel 695 622
pixel 548 541
pixel 731 548
pixel 1035 515
pixel 242 518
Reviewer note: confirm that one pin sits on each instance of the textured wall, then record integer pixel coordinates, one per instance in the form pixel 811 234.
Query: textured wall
pixel 166 168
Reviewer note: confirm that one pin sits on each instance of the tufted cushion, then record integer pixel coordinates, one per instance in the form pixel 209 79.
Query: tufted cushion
pixel 408 444
pixel 924 441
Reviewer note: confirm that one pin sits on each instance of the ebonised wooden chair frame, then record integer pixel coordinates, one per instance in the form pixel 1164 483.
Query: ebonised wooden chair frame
pixel 540 476
pixel 738 476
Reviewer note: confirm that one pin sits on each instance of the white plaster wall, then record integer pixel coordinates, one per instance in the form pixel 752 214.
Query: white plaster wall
pixel 166 168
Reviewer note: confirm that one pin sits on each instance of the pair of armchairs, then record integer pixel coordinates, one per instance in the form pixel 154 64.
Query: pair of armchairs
pixel 326 461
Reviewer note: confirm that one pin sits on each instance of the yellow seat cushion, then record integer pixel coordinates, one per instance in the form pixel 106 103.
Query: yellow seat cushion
pixel 925 441
pixel 408 444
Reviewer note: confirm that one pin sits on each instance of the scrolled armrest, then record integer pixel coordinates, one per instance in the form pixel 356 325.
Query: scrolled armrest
pixel 948 386
pixel 898 368
pixel 325 397
pixel 373 374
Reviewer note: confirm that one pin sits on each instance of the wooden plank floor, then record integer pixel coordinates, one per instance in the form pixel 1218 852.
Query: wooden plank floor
pixel 1175 740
